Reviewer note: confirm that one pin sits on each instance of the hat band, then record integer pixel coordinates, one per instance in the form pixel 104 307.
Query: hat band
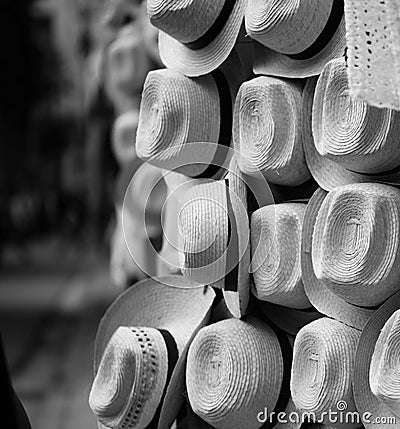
pixel 215 28
pixel 172 353
pixel 232 250
pixel 225 126
pixel 326 35
pixel 383 173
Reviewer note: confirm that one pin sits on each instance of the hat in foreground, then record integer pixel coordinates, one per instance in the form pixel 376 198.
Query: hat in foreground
pixel 196 36
pixel 185 123
pixel 140 351
pixel 376 378
pixel 215 231
pixel 322 371
pixel 238 371
pixel 353 142
pixel 296 38
pixel 348 230
pixel 268 130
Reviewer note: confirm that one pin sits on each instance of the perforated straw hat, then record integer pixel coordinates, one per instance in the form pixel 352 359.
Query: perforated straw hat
pixel 296 38
pixel 376 378
pixel 323 369
pixel 276 253
pixel 373 41
pixel 123 136
pixel 353 142
pixel 354 250
pixel 215 230
pixel 196 36
pixel 237 371
pixel 186 123
pixel 140 352
pixel 267 130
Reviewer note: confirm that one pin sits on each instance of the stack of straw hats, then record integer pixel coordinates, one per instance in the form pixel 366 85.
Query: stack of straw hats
pixel 283 212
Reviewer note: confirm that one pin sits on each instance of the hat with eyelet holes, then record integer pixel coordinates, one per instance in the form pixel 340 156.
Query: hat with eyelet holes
pixel 350 257
pixel 140 352
pixel 353 142
pixel 267 130
pixel 376 377
pixel 185 123
pixel 373 40
pixel 322 371
pixel 295 38
pixel 276 251
pixel 123 136
pixel 238 373
pixel 215 232
pixel 196 36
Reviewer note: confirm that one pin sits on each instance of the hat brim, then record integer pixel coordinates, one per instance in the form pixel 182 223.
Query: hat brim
pixel 268 62
pixel 173 303
pixel 366 402
pixel 237 301
pixel 327 173
pixel 321 297
pixel 193 63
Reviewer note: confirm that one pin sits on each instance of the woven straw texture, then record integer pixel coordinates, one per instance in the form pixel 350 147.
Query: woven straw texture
pixel 323 363
pixel 321 297
pixel 267 130
pixel 355 245
pixel 276 252
pixel 384 377
pixel 373 40
pixel 227 369
pixel 185 21
pixel 365 400
pixel 172 303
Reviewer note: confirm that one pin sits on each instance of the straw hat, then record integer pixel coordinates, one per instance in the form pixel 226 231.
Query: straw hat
pixel 176 111
pixel 123 136
pixel 196 37
pixel 268 130
pixel 353 142
pixel 373 40
pixel 376 371
pixel 215 230
pixel 322 371
pixel 140 352
pixel 355 243
pixel 320 296
pixel 237 369
pixel 296 39
pixel 276 250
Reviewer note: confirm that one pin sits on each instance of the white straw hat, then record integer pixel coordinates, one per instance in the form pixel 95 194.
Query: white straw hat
pixel 296 38
pixel 267 130
pixel 276 253
pixel 237 369
pixel 196 36
pixel 373 40
pixel 321 297
pixel 323 368
pixel 376 371
pixel 353 142
pixel 215 228
pixel 140 352
pixel 123 136
pixel 178 115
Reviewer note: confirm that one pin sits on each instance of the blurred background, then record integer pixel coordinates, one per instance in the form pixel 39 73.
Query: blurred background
pixel 69 69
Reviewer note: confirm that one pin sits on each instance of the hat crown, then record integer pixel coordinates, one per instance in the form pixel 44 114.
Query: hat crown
pixel 184 20
pixel 288 27
pixel 131 374
pixel 384 374
pixel 355 248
